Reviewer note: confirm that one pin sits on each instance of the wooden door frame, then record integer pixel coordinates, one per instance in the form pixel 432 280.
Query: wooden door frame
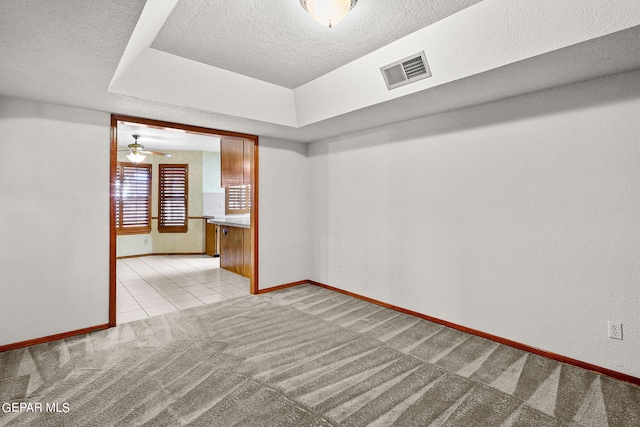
pixel 115 118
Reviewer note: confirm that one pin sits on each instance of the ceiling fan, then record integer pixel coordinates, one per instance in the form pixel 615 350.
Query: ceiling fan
pixel 137 151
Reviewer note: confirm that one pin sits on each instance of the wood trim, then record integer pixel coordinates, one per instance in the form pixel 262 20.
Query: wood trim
pixel 286 285
pixel 112 221
pixel 254 287
pixel 54 337
pixel 133 232
pixel 187 128
pixel 549 355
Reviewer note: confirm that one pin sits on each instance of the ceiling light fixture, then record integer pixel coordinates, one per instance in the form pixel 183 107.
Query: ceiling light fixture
pixel 137 151
pixel 328 12
pixel 135 157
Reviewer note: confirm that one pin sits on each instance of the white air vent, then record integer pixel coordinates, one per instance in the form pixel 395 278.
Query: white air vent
pixel 407 70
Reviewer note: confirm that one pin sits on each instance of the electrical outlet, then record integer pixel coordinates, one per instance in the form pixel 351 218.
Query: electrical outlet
pixel 339 268
pixel 615 330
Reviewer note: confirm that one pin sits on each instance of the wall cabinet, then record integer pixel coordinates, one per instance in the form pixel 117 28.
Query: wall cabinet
pixel 235 161
pixel 235 250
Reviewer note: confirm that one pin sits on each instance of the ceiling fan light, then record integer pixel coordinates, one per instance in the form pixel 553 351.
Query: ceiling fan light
pixel 135 157
pixel 328 12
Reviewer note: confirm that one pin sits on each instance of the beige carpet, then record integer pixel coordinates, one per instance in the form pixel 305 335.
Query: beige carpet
pixel 303 356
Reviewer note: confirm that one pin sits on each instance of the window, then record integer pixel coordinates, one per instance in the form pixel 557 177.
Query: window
pixel 173 194
pixel 133 198
pixel 238 199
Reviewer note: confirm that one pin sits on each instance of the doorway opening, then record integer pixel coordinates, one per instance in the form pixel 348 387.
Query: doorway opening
pixel 146 227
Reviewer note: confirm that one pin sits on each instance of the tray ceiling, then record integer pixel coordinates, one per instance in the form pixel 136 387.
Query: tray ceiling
pixel 278 42
pixel 268 69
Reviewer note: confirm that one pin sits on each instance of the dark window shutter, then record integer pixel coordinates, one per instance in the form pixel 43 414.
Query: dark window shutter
pixel 173 195
pixel 133 198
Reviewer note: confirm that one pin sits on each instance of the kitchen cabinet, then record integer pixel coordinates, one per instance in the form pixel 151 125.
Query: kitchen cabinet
pixel 232 249
pixel 212 240
pixel 246 252
pixel 235 161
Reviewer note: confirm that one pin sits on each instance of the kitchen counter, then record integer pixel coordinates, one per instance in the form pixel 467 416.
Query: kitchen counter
pixel 241 222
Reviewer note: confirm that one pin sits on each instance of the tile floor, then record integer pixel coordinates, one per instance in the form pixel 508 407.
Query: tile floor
pixel 153 285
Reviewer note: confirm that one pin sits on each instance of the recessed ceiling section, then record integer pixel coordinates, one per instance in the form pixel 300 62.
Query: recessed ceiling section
pixel 117 58
pixel 278 42
pixel 480 39
pixel 171 79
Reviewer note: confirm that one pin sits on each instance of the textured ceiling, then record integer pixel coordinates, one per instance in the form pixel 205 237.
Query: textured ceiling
pixel 63 52
pixel 281 44
pixel 68 52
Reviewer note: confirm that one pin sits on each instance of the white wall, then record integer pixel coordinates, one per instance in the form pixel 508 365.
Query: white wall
pixel 283 212
pixel 519 218
pixel 54 219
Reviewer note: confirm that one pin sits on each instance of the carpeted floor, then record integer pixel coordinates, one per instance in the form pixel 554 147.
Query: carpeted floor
pixel 302 356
